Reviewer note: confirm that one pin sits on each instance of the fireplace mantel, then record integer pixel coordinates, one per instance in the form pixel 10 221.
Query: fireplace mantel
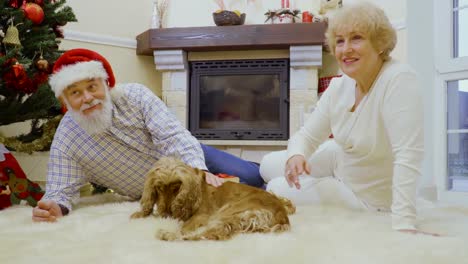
pixel 244 37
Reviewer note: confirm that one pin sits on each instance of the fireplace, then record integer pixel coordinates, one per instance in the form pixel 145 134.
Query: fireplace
pixel 239 99
pixel 182 53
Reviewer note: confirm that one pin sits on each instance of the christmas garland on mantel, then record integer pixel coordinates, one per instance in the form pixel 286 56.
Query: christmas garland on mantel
pixel 40 144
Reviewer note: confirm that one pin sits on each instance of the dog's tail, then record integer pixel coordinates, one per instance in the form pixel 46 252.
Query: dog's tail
pixel 288 205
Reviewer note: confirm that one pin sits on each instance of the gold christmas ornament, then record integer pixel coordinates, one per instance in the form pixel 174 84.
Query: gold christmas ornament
pixel 42 64
pixel 12 36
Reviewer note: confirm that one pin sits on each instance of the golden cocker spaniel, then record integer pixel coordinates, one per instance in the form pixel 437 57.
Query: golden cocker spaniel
pixel 208 212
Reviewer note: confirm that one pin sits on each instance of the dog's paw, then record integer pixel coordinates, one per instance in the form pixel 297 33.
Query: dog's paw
pixel 138 214
pixel 167 235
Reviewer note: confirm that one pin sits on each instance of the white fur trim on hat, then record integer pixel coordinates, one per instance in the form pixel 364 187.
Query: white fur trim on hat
pixel 76 72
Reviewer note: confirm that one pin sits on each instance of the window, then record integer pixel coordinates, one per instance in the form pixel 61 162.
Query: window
pixel 457 135
pixel 451 99
pixel 460 28
pixel 451 35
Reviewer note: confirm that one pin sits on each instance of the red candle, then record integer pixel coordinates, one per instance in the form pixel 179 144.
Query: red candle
pixel 306 17
pixel 287 3
pixel 282 3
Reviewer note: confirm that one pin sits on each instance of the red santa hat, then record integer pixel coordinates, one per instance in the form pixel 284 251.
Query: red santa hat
pixel 79 64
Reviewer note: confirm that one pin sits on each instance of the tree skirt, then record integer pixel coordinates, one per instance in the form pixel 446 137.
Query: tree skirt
pixel 100 231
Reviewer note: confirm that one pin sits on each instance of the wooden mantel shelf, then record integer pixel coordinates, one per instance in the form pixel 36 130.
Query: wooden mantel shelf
pixel 268 36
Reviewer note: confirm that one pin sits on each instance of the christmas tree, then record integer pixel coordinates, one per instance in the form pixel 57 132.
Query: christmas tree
pixel 30 33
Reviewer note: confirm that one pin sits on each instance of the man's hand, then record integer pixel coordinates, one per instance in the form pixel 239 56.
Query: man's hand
pixel 418 232
pixel 46 211
pixel 213 180
pixel 295 166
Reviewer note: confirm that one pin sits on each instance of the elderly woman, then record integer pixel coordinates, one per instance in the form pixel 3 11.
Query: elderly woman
pixel 374 112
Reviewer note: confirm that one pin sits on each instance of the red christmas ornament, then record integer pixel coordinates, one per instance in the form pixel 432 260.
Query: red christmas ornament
pixel 40 78
pixel 15 3
pixel 39 2
pixel 33 12
pixel 18 69
pixel 17 79
pixel 9 62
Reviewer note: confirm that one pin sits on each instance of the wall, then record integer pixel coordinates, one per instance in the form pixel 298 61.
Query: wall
pixel 420 57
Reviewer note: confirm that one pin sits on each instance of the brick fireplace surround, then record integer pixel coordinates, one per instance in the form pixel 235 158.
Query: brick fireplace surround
pixel 173 48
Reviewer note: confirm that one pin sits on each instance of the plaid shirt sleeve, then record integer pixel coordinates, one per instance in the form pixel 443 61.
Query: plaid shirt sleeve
pixel 64 179
pixel 168 134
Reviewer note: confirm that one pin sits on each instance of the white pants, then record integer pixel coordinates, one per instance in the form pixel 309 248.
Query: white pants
pixel 320 187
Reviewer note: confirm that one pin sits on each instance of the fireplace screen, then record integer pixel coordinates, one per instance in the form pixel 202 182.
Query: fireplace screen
pixel 239 99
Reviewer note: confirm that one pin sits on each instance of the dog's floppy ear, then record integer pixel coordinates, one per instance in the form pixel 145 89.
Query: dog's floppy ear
pixel 189 196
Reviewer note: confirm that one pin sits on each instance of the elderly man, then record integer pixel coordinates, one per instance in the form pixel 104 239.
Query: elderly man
pixel 112 135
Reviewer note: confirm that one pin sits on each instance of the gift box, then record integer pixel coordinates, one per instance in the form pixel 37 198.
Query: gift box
pixel 14 185
pixel 324 82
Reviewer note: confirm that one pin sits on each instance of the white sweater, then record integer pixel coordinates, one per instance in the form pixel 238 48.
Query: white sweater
pixel 382 140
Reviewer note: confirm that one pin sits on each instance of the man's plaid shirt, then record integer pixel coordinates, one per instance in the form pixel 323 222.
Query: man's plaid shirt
pixel 142 131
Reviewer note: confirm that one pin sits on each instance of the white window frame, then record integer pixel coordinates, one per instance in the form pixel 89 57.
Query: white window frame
pixel 444 31
pixel 447 69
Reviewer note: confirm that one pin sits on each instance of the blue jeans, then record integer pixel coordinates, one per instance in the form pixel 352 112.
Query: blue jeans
pixel 218 161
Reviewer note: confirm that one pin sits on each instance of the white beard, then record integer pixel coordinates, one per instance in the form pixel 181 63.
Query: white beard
pixel 99 120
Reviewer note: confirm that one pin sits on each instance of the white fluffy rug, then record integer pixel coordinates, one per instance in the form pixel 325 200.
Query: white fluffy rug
pixel 100 231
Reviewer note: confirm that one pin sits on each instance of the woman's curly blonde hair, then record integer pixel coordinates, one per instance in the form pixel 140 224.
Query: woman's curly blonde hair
pixel 367 18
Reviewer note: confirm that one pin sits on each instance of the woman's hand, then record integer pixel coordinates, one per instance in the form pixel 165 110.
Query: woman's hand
pixel 417 232
pixel 295 166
